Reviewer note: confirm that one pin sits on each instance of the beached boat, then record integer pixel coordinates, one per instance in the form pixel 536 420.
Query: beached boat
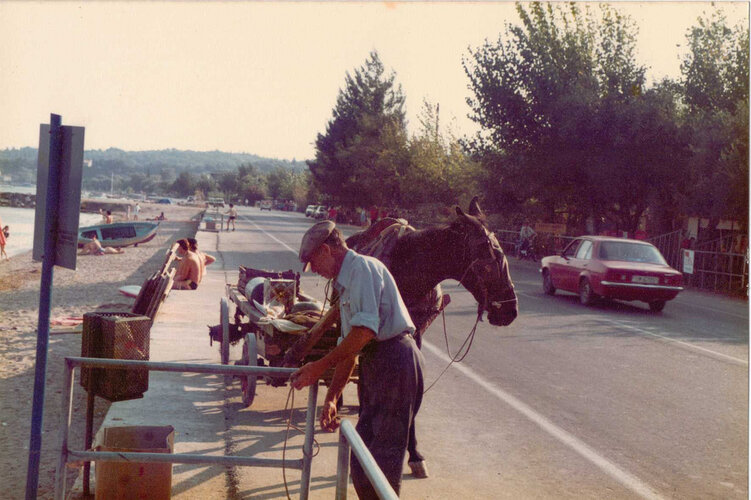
pixel 118 234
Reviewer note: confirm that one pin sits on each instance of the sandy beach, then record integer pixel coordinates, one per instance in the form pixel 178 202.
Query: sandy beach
pixel 92 286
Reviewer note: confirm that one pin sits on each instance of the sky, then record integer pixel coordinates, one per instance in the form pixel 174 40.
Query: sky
pixel 256 77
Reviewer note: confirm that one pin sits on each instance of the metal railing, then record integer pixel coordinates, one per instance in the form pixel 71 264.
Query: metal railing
pixel 350 441
pixel 718 271
pixel 669 245
pixel 66 416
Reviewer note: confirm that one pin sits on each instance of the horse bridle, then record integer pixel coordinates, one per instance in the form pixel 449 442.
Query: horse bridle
pixel 489 265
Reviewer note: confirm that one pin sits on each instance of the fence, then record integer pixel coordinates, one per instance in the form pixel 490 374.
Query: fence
pixel 71 363
pixel 713 269
pixel 351 437
pixel 718 271
pixel 669 245
pixel 349 440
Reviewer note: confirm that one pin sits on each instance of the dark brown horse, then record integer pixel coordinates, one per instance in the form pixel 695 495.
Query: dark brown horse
pixel 464 251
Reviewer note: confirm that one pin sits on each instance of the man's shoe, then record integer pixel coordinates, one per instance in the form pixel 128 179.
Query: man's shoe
pixel 419 469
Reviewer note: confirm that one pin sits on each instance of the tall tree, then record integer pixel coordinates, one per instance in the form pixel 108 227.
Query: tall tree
pixel 564 114
pixel 715 82
pixel 364 146
pixel 439 171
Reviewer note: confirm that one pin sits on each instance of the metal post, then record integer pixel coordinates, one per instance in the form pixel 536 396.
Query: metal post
pixel 45 301
pixel 89 433
pixel 307 448
pixel 66 415
pixel 342 467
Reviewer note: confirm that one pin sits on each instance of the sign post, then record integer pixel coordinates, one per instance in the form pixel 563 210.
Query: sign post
pixel 59 170
pixel 688 261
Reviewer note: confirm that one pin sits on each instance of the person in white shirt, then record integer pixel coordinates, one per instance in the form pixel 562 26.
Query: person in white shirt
pixel 525 235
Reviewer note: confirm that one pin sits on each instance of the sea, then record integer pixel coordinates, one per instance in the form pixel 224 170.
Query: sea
pixel 20 222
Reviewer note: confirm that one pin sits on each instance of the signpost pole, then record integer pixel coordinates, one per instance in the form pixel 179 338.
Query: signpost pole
pixel 45 299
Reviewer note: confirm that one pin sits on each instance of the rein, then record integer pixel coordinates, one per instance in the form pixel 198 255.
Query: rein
pixel 459 356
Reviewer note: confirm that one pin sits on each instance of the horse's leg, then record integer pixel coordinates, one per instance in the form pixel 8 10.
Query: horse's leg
pixel 416 461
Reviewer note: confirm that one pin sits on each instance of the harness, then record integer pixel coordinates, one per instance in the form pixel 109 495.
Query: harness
pixel 490 267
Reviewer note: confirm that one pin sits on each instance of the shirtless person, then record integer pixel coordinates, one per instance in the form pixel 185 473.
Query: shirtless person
pixel 204 258
pixel 189 270
pixel 94 247
pixel 232 212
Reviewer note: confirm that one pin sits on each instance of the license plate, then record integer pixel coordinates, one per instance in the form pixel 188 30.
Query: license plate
pixel 645 279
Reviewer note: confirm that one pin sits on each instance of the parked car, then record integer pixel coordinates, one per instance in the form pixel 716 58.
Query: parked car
pixel 266 205
pixel 310 210
pixel 321 212
pixel 164 201
pixel 215 202
pixel 613 268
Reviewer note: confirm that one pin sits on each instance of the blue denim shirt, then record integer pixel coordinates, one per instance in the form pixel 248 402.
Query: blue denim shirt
pixel 369 297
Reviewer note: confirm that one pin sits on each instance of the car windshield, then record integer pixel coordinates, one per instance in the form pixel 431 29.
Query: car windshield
pixel 630 252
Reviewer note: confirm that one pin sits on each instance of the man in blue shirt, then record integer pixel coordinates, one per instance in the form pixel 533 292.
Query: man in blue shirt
pixel 375 324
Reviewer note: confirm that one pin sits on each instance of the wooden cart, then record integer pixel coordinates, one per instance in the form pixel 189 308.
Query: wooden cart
pixel 262 342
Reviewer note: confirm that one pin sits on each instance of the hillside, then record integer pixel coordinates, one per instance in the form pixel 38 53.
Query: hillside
pixel 19 165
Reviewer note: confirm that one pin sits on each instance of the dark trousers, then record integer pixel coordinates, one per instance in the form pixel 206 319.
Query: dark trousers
pixel 390 392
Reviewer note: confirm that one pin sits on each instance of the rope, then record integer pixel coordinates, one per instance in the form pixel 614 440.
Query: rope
pixel 290 425
pixel 455 359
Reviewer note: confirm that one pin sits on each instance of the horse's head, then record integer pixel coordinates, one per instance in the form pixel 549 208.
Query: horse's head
pixel 485 271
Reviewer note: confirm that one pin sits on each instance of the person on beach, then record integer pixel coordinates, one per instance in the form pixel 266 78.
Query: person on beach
pixel 137 209
pixel 3 240
pixel 108 217
pixel 189 269
pixel 232 212
pixel 205 258
pixel 94 247
pixel 376 325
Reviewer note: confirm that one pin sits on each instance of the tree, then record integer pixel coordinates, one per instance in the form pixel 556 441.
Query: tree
pixel 205 185
pixel 715 90
pixel 227 182
pixel 564 116
pixel 184 185
pixel 359 159
pixel 439 170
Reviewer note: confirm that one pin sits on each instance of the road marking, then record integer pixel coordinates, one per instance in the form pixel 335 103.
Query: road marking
pixel 686 304
pixel 714 354
pixel 269 234
pixel 611 469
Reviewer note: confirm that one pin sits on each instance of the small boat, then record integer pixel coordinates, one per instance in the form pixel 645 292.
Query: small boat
pixel 118 234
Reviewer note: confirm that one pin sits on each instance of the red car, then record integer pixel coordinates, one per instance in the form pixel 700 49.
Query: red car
pixel 614 268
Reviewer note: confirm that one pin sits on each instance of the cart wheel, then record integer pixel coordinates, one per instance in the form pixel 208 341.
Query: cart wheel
pixel 224 319
pixel 248 384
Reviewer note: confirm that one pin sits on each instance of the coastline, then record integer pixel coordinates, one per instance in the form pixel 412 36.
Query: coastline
pixel 92 286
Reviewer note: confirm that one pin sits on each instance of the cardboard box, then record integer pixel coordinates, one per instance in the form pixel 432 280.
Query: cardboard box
pixel 134 480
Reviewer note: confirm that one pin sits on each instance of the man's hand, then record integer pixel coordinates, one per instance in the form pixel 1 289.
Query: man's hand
pixel 329 420
pixel 309 374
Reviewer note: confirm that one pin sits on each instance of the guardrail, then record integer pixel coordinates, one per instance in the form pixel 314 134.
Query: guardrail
pixel 350 441
pixel 66 416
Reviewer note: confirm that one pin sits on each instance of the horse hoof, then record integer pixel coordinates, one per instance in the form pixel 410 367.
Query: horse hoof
pixel 419 469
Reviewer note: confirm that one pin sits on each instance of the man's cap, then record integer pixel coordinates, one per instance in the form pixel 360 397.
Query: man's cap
pixel 312 239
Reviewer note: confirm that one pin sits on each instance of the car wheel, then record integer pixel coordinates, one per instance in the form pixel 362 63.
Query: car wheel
pixel 657 305
pixel 586 295
pixel 547 283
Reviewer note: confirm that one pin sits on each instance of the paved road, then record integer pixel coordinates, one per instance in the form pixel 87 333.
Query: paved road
pixel 610 401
